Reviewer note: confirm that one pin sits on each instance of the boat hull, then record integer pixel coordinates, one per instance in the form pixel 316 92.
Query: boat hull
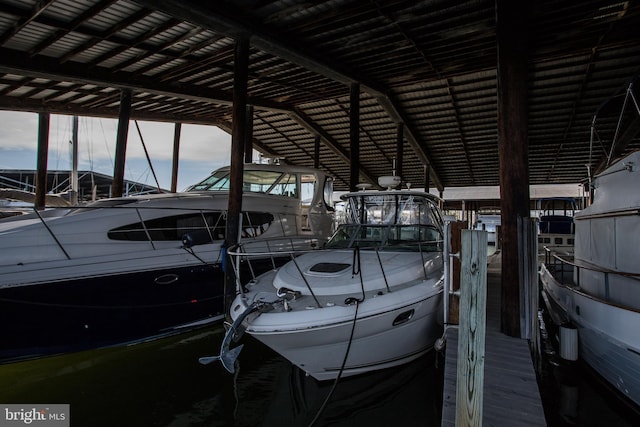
pixel 607 333
pixel 390 330
pixel 109 309
pixel 71 315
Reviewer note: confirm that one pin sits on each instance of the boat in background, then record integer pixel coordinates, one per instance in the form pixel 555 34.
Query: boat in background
pixel 127 269
pixel 488 220
pixel 370 299
pixel 598 289
pixel 555 224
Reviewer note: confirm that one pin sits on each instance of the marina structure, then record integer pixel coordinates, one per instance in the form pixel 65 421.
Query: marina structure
pixel 444 94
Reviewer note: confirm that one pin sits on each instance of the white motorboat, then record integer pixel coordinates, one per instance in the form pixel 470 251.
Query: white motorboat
pixel 370 299
pixel 127 269
pixel 598 291
pixel 555 224
pixel 489 221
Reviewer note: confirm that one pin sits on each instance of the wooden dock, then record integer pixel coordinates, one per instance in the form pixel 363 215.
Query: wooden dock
pixel 510 395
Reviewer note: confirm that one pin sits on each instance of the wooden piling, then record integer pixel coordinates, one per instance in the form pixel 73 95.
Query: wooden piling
pixel 472 329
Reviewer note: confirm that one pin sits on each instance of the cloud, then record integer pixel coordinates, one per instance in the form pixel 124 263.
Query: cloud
pixel 19 130
pixel 97 139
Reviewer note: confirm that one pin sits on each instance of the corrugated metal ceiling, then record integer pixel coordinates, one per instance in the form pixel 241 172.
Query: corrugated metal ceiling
pixel 429 64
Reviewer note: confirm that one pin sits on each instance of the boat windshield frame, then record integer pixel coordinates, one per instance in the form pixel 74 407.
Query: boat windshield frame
pixel 391 237
pixel 392 207
pixel 390 220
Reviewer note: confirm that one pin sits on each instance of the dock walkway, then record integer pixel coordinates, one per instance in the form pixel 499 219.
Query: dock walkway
pixel 511 396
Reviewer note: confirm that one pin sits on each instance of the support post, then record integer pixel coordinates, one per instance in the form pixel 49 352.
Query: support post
pixel 456 247
pixel 399 150
pixel 316 152
pixel 75 188
pixel 528 250
pixel 41 161
pixel 238 144
pixel 511 24
pixel 472 329
pixel 427 172
pixel 117 189
pixel 248 144
pixel 177 128
pixel 354 135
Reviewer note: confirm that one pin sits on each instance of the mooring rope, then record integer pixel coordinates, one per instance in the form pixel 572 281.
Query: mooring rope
pixel 344 362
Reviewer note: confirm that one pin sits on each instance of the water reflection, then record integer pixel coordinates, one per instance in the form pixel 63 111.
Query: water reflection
pixel 573 394
pixel 161 383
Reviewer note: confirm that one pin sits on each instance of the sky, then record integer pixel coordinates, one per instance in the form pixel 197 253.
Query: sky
pixel 202 148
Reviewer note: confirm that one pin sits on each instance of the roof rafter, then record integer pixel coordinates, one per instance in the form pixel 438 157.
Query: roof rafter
pixel 225 20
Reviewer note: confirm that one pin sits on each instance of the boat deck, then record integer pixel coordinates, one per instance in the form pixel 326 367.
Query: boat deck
pixel 511 396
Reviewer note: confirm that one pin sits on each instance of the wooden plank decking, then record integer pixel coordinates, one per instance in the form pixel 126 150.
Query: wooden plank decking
pixel 511 395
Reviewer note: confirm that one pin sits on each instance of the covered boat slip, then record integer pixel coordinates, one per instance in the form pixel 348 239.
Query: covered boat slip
pixel 510 394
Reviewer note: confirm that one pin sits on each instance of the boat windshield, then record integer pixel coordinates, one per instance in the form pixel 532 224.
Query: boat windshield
pixel 387 237
pixel 254 181
pixel 392 208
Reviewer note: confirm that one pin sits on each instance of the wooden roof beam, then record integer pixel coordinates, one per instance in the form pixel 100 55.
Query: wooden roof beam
pixel 223 18
pixel 15 62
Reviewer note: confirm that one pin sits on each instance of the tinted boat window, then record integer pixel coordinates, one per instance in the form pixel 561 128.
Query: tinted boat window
pixel 174 227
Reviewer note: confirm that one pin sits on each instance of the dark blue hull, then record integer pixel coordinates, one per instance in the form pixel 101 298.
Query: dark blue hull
pixel 67 316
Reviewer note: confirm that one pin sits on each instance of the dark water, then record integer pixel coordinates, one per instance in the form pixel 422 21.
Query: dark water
pixel 575 395
pixel 161 383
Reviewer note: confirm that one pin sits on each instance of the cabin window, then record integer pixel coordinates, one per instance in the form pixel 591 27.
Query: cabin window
pixel 210 181
pixel 328 193
pixel 307 188
pixel 172 228
pixel 286 186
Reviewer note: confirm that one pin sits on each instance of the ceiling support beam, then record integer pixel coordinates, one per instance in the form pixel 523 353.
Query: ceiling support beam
pixel 304 121
pixel 511 24
pixel 14 62
pixel 223 18
pixel 398 117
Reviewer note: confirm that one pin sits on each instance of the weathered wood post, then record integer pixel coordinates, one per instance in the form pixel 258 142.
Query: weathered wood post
pixel 177 128
pixel 43 150
pixel 236 170
pixel 454 299
pixel 471 332
pixel 121 143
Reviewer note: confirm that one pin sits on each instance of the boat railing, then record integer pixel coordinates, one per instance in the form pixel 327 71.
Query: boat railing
pixel 277 251
pixel 282 250
pixel 564 267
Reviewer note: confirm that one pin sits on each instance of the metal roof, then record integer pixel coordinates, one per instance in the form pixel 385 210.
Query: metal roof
pixel 428 64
